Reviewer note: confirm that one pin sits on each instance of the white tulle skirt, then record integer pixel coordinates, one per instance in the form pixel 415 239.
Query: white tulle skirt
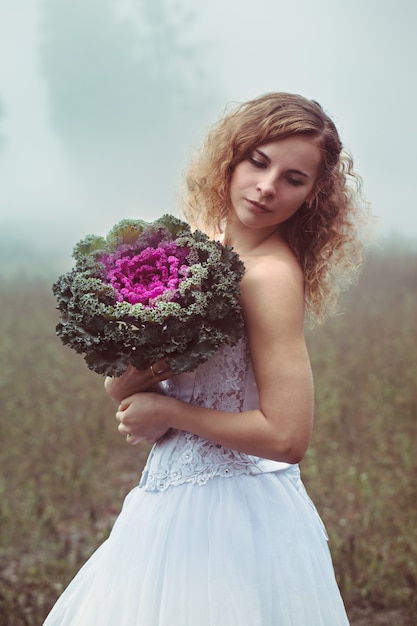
pixel 237 551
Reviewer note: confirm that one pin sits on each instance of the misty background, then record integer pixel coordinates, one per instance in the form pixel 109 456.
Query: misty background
pixel 102 102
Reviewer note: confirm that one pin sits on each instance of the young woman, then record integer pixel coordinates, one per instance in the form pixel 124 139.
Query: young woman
pixel 220 530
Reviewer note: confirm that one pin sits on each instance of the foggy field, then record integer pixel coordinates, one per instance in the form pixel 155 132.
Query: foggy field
pixel 64 469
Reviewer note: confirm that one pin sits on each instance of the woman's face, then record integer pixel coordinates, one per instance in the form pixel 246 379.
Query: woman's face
pixel 272 183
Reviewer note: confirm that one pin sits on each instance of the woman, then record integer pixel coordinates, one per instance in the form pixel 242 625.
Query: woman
pixel 220 531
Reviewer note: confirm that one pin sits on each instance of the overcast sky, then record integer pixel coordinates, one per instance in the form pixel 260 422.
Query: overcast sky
pixel 357 58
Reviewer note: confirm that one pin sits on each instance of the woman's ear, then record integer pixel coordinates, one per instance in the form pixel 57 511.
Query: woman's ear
pixel 313 197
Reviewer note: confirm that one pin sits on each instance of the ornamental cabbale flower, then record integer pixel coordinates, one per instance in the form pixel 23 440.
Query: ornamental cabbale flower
pixel 148 291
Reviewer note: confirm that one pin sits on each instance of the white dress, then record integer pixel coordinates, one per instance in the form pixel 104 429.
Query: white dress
pixel 211 536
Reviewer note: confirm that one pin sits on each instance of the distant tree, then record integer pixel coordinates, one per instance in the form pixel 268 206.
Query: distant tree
pixel 126 93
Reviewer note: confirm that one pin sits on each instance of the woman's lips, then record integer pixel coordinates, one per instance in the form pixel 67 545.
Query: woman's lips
pixel 258 206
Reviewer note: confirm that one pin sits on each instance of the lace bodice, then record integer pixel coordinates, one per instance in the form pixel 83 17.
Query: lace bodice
pixel 224 382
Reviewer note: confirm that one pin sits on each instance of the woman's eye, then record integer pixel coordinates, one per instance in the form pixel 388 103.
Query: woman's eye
pixel 295 182
pixel 256 161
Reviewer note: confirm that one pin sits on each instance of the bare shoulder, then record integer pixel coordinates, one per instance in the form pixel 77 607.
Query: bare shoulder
pixel 280 268
pixel 274 284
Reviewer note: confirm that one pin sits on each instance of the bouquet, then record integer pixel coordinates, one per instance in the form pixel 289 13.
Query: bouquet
pixel 148 291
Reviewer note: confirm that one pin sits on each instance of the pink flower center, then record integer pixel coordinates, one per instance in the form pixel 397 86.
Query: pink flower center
pixel 143 277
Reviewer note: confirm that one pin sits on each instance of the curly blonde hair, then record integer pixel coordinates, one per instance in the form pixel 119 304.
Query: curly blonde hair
pixel 324 232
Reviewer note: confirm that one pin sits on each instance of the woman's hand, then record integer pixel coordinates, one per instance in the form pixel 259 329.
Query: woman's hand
pixel 135 381
pixel 141 417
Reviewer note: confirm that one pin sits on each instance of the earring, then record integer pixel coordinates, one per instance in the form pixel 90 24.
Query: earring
pixel 312 202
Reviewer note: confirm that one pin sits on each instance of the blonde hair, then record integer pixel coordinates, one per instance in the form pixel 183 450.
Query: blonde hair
pixel 324 232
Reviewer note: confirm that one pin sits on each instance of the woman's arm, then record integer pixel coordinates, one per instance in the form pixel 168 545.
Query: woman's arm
pixel 273 303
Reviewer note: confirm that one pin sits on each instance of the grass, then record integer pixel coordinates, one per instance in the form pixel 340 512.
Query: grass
pixel 64 470
pixel 361 468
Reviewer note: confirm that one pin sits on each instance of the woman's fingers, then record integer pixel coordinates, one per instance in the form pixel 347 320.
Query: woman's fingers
pixel 139 418
pixel 133 440
pixel 160 370
pixel 125 430
pixel 135 381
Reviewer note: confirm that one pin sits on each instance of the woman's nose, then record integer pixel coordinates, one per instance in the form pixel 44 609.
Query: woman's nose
pixel 266 186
